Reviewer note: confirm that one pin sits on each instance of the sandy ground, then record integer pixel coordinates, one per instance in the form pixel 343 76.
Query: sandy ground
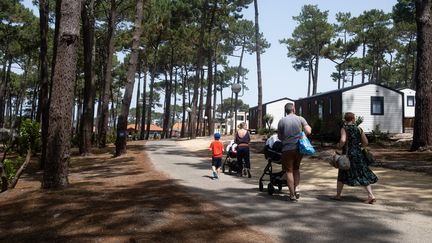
pixel 404 177
pixel 121 199
pixel 125 199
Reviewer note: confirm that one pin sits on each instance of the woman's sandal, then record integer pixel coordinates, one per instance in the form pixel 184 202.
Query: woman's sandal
pixel 371 200
pixel 336 198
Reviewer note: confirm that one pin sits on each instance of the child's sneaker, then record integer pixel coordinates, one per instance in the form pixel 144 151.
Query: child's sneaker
pixel 215 176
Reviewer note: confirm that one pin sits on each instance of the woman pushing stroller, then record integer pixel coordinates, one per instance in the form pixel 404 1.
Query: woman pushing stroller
pixel 242 139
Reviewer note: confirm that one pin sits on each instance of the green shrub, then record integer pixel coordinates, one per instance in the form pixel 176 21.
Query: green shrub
pixel 29 134
pixel 111 137
pixel 268 120
pixel 377 135
pixel 266 131
pixel 359 120
pixel 12 165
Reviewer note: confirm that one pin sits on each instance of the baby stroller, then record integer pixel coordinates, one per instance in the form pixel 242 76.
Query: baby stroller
pixel 272 155
pixel 230 163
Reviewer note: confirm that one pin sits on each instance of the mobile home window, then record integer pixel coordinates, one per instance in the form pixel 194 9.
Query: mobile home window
pixel 377 105
pixel 330 105
pixel 410 100
pixel 300 111
pixel 320 109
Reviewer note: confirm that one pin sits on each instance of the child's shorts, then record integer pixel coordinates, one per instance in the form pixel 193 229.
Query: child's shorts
pixel 217 162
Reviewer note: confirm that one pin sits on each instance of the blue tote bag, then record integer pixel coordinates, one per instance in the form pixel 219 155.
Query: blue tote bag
pixel 305 145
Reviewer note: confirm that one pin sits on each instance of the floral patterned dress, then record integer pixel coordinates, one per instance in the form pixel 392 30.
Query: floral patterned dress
pixel 359 173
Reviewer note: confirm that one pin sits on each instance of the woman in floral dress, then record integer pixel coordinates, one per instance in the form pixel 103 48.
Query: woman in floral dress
pixel 359 174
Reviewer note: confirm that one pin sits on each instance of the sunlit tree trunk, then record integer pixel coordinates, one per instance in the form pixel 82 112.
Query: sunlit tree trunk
pixel 60 110
pixel 144 101
pixel 258 57
pixel 130 76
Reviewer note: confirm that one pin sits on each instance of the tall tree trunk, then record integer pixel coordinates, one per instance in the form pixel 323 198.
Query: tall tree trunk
pixel 208 105
pixel 152 79
pixel 422 138
pixel 199 65
pixel 144 98
pixel 86 128
pixel 174 113
pixel 130 76
pixel 137 109
pixel 150 101
pixel 184 80
pixel 45 109
pixel 106 87
pixel 315 77
pixel 3 91
pixel 238 81
pixel 60 110
pixel 211 130
pixel 310 77
pixel 43 60
pixel 258 57
pixel 200 105
pixel 166 115
pixel 222 111
pixel 363 63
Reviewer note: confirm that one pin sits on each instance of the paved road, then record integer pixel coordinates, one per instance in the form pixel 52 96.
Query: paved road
pixel 314 218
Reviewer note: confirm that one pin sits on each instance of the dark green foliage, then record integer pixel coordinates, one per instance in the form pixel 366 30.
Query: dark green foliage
pixel 30 135
pixel 12 165
pixel 268 120
pixel 266 131
pixel 377 136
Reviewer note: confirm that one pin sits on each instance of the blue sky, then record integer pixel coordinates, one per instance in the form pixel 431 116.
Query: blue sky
pixel 275 20
pixel 279 78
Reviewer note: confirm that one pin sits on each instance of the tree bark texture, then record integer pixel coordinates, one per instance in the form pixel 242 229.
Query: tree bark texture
pixel 199 64
pixel 3 89
pixel 422 138
pixel 106 87
pixel 208 104
pixel 61 104
pixel 130 81
pixel 43 60
pixel 258 58
pixel 144 102
pixel 86 128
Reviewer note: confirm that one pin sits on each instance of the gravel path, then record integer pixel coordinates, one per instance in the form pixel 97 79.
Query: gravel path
pixel 403 212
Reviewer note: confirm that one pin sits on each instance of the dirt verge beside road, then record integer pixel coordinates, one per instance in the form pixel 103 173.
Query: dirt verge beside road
pixel 115 200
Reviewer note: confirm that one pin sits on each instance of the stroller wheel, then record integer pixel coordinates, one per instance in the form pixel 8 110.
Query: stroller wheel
pixel 280 187
pixel 261 186
pixel 270 189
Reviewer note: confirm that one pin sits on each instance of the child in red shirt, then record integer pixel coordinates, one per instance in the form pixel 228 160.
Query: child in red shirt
pixel 216 147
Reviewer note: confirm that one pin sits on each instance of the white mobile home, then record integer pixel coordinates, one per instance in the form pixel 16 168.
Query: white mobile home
pixel 275 108
pixel 379 105
pixel 409 107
